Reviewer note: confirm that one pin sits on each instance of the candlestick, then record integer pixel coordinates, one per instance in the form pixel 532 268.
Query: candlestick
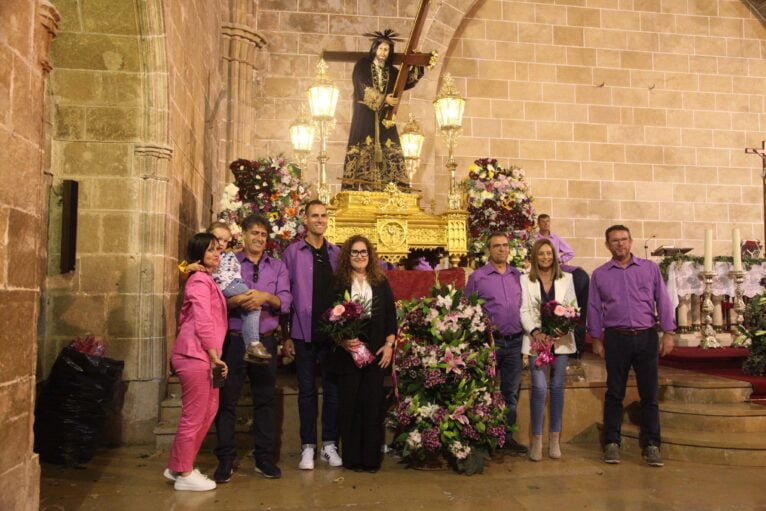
pixel 709 339
pixel 708 250
pixel 739 308
pixel 736 251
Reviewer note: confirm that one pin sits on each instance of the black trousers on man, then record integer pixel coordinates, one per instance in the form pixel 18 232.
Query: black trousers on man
pixel 624 349
pixel 262 384
pixel 581 285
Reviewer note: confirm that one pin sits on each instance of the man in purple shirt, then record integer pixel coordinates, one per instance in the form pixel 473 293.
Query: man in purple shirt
pixel 311 263
pixel 269 291
pixel 627 297
pixel 498 284
pixel 579 276
pixel 563 249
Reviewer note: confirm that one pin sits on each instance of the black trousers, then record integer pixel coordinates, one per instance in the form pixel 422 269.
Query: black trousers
pixel 621 352
pixel 262 384
pixel 581 285
pixel 361 415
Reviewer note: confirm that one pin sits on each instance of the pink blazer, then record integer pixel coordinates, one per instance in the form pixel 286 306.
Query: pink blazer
pixel 202 322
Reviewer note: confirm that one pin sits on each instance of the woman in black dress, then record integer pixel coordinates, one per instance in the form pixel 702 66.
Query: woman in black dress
pixel 361 389
pixel 374 156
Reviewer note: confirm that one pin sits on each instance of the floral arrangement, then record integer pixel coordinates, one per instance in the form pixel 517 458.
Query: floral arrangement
pixel 448 400
pixel 347 320
pixel 753 335
pixel 499 200
pixel 556 319
pixel 269 186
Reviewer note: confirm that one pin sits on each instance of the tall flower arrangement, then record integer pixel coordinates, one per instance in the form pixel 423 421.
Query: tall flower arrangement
pixel 269 186
pixel 448 400
pixel 499 200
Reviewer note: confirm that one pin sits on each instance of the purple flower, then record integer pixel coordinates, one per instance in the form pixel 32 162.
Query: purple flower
pixel 431 439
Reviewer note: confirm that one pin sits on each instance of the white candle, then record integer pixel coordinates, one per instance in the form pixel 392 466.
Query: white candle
pixel 736 252
pixel 708 249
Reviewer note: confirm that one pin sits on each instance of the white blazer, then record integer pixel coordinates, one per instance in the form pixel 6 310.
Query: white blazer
pixel 530 310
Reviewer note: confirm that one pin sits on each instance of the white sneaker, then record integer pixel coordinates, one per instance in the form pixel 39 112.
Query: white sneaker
pixel 307 459
pixel 330 455
pixel 169 474
pixel 194 482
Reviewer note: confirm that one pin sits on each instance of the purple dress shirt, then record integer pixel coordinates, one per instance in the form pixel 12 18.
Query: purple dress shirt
pixel 628 298
pixel 272 278
pixel 502 296
pixel 300 267
pixel 563 249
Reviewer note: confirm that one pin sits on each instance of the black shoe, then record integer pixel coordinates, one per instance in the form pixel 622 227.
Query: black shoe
pixel 371 470
pixel 268 469
pixel 652 456
pixel 515 448
pixel 224 471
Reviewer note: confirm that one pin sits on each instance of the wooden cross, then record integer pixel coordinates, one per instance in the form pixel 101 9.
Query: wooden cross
pixel 762 153
pixel 409 59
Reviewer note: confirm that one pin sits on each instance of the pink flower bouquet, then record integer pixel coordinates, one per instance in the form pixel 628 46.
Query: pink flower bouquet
pixel 556 319
pixel 346 320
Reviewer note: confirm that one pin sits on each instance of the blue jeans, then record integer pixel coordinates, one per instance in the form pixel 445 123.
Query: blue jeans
pixel 306 356
pixel 509 363
pixel 540 385
pixel 251 320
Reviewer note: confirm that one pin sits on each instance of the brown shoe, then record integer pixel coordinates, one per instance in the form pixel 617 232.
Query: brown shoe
pixel 257 354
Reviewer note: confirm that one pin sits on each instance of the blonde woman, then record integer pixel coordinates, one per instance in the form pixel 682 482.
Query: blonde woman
pixel 544 282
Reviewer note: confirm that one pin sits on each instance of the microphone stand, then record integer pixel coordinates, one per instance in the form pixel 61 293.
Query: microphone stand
pixel 646 246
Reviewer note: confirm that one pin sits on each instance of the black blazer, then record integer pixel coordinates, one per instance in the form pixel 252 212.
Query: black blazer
pixel 382 323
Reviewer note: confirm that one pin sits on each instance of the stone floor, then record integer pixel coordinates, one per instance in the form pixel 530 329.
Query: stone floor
pixel 131 478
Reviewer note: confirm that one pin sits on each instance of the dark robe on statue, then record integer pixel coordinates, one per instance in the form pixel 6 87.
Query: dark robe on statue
pixel 359 170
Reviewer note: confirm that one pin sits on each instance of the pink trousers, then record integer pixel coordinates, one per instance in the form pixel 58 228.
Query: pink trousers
pixel 199 404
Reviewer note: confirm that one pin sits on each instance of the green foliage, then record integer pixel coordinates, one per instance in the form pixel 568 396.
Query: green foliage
pixel 754 329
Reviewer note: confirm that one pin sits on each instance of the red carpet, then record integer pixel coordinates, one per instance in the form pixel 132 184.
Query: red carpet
pixel 724 362
pixel 696 359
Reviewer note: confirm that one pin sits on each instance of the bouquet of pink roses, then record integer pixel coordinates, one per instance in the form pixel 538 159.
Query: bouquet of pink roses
pixel 556 319
pixel 346 320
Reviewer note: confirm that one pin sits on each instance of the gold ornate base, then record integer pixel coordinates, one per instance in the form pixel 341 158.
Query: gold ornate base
pixel 396 224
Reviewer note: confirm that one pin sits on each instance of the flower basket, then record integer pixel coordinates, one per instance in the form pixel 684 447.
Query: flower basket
pixel 431 463
pixel 449 406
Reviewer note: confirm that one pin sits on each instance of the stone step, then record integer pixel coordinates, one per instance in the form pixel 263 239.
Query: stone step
pixel 170 409
pixel 726 417
pixel 165 432
pixel 700 388
pixel 713 447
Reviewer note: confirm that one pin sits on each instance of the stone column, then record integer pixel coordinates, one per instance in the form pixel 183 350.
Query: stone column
pixel 240 49
pixel 27 29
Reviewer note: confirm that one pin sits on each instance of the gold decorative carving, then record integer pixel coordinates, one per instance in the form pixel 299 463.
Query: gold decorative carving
pixel 395 223
pixel 392 234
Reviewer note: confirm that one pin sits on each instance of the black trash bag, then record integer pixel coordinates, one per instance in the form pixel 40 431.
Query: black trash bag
pixel 74 405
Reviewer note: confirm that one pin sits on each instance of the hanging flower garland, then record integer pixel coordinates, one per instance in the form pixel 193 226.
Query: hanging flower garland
pixel 499 200
pixel 271 187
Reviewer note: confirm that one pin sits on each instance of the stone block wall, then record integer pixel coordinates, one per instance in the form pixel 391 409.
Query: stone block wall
pixel 134 122
pixel 26 29
pixel 621 112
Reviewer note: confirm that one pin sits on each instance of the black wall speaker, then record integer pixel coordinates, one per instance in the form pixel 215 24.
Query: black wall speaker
pixel 69 226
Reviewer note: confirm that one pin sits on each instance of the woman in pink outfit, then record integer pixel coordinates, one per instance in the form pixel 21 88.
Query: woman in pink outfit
pixel 202 328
